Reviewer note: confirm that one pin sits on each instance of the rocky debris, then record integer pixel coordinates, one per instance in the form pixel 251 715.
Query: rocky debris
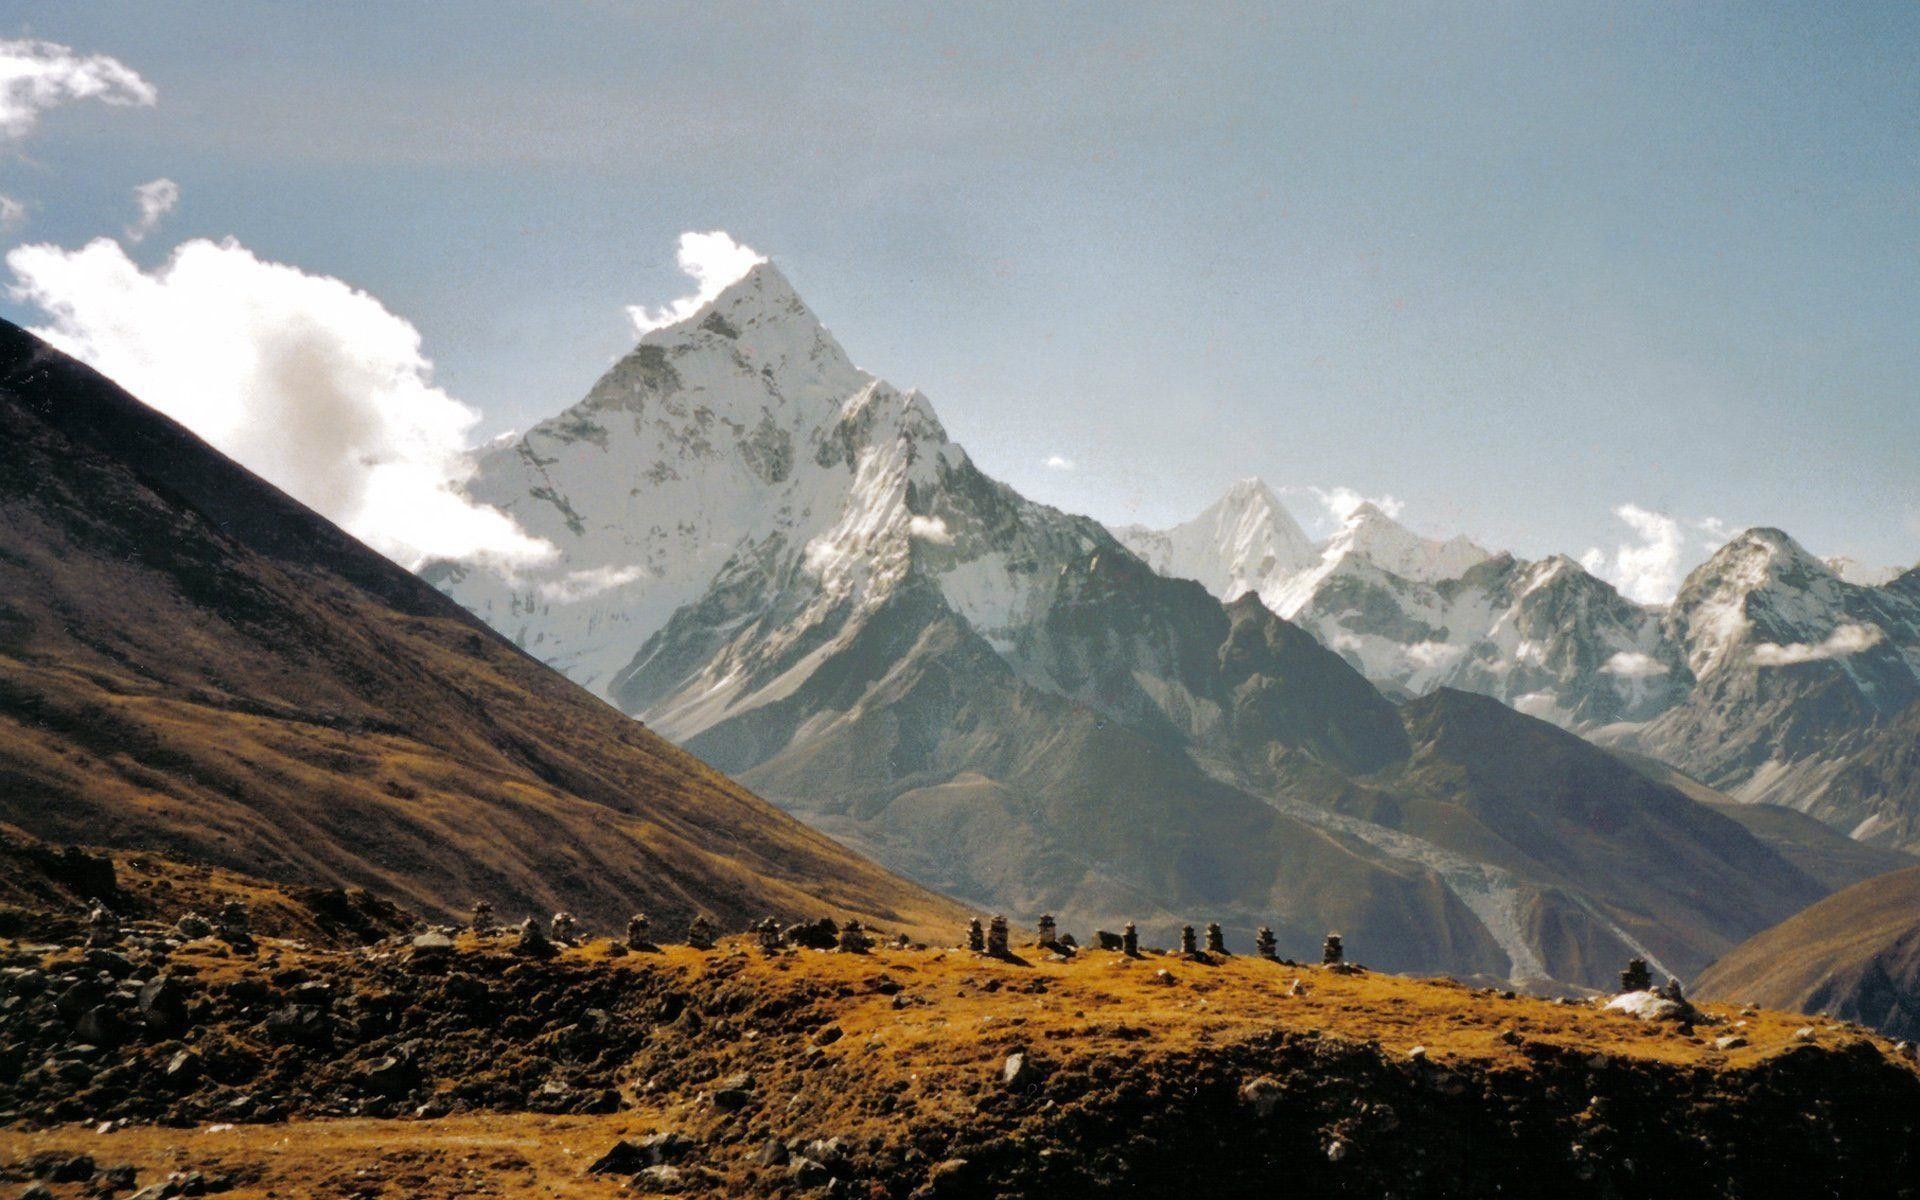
pixel 1332 953
pixel 1216 939
pixel 700 934
pixel 750 1059
pixel 997 944
pixel 853 939
pixel 1636 978
pixel 1265 944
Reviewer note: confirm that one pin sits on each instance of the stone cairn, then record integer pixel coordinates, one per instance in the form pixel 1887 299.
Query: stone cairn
pixel 235 919
pixel 1216 940
pixel 638 930
pixel 853 939
pixel 1265 945
pixel 482 920
pixel 997 938
pixel 1636 978
pixel 533 939
pixel 976 937
pixel 103 928
pixel 1188 943
pixel 1049 932
pixel 563 929
pixel 700 934
pixel 1332 953
pixel 1130 941
pixel 768 931
pixel 235 925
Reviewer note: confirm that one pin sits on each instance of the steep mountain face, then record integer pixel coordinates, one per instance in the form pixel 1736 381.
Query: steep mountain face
pixel 788 566
pixel 191 662
pixel 1855 955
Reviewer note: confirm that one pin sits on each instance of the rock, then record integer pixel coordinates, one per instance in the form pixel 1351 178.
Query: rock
pixel 660 1179
pixel 827 1035
pixel 1417 1054
pixel 950 1177
pixel 1732 1041
pixel 1015 1073
pixel 772 1153
pixel 77 1169
pixel 1650 1006
pixel 116 1179
pixel 1262 1094
pixel 1164 977
pixel 623 1158
pixel 734 1093
pixel 432 942
pixel 36 1191
pixel 184 1068
pixel 807 1173
pixel 667 1146
pixel 1336 1150
pixel 1804 1034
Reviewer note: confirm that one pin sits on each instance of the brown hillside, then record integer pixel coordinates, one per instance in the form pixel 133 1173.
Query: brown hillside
pixel 191 662
pixel 1855 954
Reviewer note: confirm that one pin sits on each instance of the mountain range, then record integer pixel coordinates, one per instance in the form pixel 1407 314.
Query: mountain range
pixel 1773 675
pixel 785 564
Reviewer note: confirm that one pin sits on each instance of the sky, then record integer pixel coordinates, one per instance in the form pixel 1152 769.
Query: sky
pixel 1605 280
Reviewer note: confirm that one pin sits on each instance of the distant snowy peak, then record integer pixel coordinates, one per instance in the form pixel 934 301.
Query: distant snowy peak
pixel 1240 543
pixel 1762 586
pixel 1376 537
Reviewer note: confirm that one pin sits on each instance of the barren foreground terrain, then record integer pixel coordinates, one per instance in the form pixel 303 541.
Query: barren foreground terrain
pixel 287 1069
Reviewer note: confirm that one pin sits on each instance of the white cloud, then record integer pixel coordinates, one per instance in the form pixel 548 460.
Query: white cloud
pixel 156 199
pixel 307 381
pixel 1649 568
pixel 1339 503
pixel 581 585
pixel 1843 641
pixel 36 76
pixel 1059 462
pixel 13 214
pixel 1632 664
pixel 929 529
pixel 712 260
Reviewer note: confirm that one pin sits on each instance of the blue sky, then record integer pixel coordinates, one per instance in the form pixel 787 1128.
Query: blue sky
pixel 1513 265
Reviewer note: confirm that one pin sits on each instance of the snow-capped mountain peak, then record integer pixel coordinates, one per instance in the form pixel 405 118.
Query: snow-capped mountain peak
pixel 1373 535
pixel 1236 545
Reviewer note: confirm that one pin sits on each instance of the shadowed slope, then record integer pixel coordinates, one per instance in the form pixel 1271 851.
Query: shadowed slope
pixel 1855 954
pixel 191 660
